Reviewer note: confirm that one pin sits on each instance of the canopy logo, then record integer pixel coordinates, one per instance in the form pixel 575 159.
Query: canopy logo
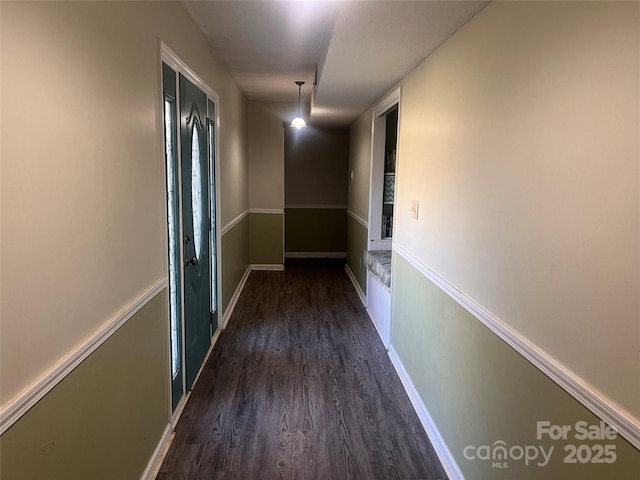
pixel 500 453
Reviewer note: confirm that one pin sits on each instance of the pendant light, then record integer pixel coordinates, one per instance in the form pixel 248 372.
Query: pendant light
pixel 299 122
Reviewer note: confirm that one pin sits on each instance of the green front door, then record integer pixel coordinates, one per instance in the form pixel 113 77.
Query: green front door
pixel 196 226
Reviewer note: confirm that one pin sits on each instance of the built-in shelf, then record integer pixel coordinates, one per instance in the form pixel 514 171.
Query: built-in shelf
pixel 389 186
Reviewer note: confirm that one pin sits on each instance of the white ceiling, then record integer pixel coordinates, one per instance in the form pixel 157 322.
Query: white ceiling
pixel 360 48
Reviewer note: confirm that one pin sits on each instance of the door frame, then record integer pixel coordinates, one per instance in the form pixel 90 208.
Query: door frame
pixel 169 57
pixel 376 169
pixel 378 299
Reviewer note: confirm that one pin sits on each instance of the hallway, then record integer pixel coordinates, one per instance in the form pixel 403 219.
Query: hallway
pixel 299 387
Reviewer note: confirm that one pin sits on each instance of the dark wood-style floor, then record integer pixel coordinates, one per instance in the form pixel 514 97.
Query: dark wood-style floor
pixel 299 387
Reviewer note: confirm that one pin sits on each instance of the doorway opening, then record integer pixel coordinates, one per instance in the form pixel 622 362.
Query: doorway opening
pixel 382 209
pixel 383 171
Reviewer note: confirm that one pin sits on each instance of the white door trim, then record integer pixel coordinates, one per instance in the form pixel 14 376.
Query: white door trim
pixel 169 57
pixel 376 170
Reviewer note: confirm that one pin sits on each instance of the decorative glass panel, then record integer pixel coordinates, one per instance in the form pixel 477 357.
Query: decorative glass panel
pixel 212 166
pixel 172 221
pixel 196 190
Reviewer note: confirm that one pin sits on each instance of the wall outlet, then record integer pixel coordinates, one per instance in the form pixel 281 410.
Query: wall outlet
pixel 414 209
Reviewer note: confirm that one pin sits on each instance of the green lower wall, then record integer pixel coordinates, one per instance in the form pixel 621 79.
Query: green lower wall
pixel 479 390
pixel 235 259
pixel 103 420
pixel 356 244
pixel 265 238
pixel 315 230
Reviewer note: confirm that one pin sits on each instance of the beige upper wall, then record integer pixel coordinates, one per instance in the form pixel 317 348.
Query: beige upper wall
pixel 266 154
pixel 234 174
pixel 360 165
pixel 83 222
pixel 520 138
pixel 181 35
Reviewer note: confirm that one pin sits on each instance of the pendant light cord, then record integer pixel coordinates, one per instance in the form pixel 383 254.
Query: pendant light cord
pixel 299 83
pixel 299 122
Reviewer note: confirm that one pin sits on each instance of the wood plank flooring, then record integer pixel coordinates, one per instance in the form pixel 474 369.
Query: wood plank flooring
pixel 299 386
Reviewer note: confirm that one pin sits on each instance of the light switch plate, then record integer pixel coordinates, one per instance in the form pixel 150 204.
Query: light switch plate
pixel 414 209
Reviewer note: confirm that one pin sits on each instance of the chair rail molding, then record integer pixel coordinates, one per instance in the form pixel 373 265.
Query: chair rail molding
pixel 37 390
pixel 358 219
pixel 596 401
pixel 234 222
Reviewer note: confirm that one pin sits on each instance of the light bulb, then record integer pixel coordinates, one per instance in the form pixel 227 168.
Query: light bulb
pixel 298 122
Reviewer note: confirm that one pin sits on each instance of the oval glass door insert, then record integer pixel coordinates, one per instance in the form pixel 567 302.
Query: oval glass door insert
pixel 196 190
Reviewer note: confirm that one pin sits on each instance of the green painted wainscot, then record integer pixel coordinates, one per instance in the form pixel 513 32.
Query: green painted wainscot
pixel 357 235
pixel 316 230
pixel 266 238
pixel 235 258
pixel 480 391
pixel 103 420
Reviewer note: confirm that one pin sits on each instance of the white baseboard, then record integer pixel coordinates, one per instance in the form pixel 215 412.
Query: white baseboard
pixel 165 441
pixel 375 325
pixel 33 393
pixel 179 409
pixel 234 298
pixel 315 254
pixel 153 466
pixel 363 299
pixel 163 447
pixel 596 401
pixel 444 454
pixel 271 211
pixel 267 267
pixel 317 207
pixel 356 285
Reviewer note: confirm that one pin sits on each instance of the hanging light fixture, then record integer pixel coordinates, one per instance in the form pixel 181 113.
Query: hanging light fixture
pixel 299 122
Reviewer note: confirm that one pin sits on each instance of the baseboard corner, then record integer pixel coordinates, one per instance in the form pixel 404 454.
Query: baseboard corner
pixel 234 299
